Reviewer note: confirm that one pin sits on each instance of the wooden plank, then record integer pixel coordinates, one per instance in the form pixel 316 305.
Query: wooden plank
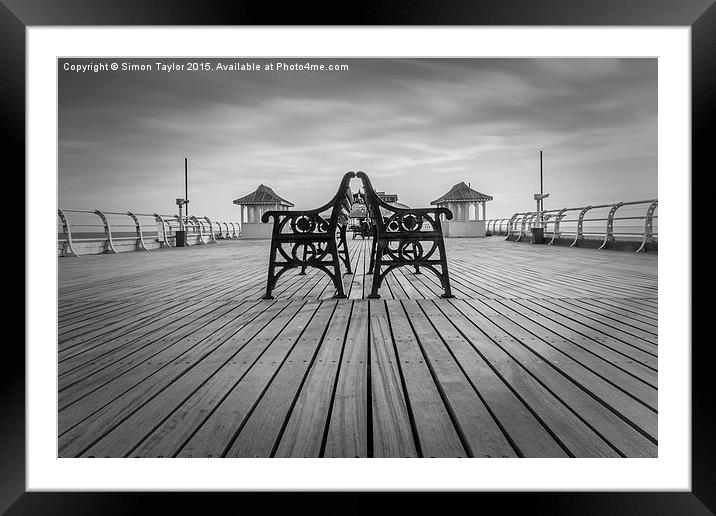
pixel 601 326
pixel 437 436
pixel 95 391
pixel 216 435
pixel 167 431
pixel 523 429
pixel 262 430
pixel 647 322
pixel 135 347
pixel 565 424
pixel 633 325
pixel 303 436
pixel 611 426
pixel 91 426
pixel 638 413
pixel 539 324
pixel 479 431
pixel 125 331
pixel 347 434
pixel 392 431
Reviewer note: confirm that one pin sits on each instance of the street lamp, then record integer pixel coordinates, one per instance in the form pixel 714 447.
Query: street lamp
pixel 181 234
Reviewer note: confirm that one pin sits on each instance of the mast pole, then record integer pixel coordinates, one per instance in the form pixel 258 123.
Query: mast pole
pixel 541 189
pixel 186 186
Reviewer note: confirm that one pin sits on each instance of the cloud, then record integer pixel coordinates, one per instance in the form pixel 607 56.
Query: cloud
pixel 416 126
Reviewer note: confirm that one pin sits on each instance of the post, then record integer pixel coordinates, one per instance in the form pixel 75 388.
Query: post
pixel 181 233
pixel 541 188
pixel 186 185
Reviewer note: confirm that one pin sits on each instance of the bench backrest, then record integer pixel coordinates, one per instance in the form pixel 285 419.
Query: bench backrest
pixel 311 222
pixel 423 222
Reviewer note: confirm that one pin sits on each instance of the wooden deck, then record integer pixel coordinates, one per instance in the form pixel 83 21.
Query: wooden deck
pixel 546 352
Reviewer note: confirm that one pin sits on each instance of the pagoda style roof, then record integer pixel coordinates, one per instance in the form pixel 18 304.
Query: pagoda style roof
pixel 462 192
pixel 263 195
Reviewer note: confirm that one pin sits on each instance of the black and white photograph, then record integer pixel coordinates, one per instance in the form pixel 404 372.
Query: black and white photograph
pixel 359 257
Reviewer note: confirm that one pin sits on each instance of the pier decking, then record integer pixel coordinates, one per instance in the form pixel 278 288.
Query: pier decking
pixel 545 352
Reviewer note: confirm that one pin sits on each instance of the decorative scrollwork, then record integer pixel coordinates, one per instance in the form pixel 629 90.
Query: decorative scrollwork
pixel 303 253
pixel 308 239
pixel 307 223
pixel 303 224
pixel 400 238
pixel 409 221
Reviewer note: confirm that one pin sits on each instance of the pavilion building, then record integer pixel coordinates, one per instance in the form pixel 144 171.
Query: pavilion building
pixel 468 210
pixel 253 206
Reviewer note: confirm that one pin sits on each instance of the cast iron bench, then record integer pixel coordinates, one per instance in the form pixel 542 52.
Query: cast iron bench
pixel 312 238
pixel 410 237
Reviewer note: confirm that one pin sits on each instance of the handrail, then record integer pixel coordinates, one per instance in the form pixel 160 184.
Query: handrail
pixel 109 231
pixel 211 230
pixel 648 227
pixel 140 237
pixel 165 238
pixel 199 225
pixel 67 232
pixel 525 219
pixel 553 223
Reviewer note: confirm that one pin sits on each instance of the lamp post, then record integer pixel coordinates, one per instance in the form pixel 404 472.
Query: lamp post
pixel 181 233
pixel 186 185
pixel 538 228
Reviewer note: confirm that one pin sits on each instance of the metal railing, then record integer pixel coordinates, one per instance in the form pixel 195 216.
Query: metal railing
pixel 601 226
pixel 83 232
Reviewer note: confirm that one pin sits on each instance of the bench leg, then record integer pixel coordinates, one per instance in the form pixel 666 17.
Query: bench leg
pixel 271 280
pixel 303 268
pixel 445 279
pixel 372 253
pixel 337 276
pixel 344 250
pixel 376 273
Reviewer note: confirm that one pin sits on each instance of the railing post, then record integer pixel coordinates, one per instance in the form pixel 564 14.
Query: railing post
pixel 140 238
pixel 158 218
pixel 648 227
pixel 580 225
pixel 524 223
pixel 186 228
pixel 609 230
pixel 69 250
pixel 510 225
pixel 201 230
pixel 108 232
pixel 212 238
pixel 558 218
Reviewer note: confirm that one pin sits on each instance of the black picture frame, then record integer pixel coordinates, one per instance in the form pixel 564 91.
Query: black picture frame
pixel 700 15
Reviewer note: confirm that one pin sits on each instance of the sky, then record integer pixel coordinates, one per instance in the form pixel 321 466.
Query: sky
pixel 415 126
